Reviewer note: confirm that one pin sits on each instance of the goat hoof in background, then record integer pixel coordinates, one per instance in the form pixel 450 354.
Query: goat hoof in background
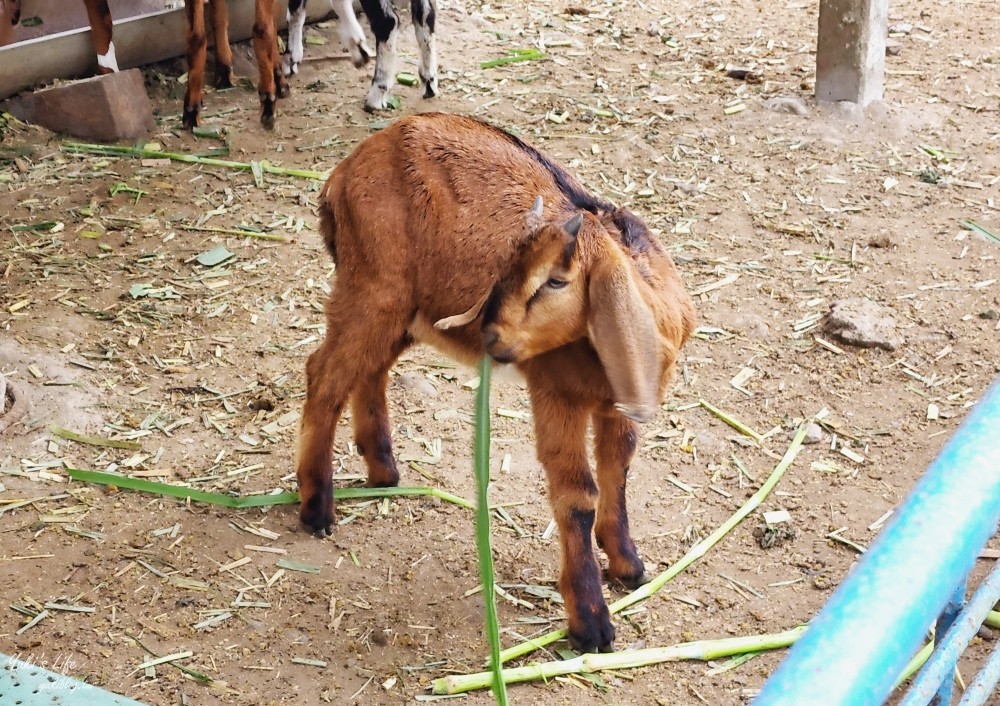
pixel 438 214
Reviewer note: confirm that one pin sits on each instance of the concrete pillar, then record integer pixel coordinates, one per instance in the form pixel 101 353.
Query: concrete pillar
pixel 850 51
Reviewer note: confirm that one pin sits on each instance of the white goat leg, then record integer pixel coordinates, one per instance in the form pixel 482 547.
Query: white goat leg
pixel 351 34
pixel 385 75
pixel 428 58
pixel 109 60
pixel 296 30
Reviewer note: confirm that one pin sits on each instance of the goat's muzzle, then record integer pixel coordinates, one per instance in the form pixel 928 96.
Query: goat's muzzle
pixel 496 350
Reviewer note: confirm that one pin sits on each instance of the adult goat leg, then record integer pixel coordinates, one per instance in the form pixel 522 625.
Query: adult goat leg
pixel 385 25
pixel 424 16
pixel 223 52
pixel 272 84
pixel 615 441
pixel 99 16
pixel 197 49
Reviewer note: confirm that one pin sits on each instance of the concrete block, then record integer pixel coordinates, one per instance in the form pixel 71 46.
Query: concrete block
pixel 850 50
pixel 106 108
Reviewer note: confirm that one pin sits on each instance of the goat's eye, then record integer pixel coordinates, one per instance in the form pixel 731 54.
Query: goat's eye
pixel 556 283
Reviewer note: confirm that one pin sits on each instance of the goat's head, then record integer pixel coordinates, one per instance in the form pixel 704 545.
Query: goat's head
pixel 540 303
pixel 554 295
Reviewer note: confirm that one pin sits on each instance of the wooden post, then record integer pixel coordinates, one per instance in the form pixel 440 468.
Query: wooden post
pixel 850 51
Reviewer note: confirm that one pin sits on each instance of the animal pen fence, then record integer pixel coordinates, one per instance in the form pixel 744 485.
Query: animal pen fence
pixel 914 574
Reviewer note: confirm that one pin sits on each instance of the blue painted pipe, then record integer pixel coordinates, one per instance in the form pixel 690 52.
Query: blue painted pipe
pixel 936 675
pixel 862 639
pixel 981 688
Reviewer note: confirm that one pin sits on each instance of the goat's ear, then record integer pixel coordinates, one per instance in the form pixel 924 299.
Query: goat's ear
pixel 466 318
pixel 534 218
pixel 623 330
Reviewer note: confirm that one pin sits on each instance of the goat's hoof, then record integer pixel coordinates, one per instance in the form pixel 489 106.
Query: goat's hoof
pixel 289 66
pixel 190 117
pixel 430 86
pixel 317 517
pixel 629 583
pixel 223 77
pixel 360 54
pixel 267 110
pixel 596 635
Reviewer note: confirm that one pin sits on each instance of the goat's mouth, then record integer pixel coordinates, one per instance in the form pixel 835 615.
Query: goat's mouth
pixel 502 354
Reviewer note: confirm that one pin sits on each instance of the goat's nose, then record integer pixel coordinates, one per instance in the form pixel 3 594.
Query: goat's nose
pixel 490 337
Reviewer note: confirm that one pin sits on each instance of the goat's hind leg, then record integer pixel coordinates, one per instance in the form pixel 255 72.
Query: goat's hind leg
pixel 615 441
pixel 101 29
pixel 370 415
pixel 424 16
pixel 354 359
pixel 385 25
pixel 352 36
pixel 223 52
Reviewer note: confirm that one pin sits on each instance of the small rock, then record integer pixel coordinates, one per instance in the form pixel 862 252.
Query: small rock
pixel 814 433
pixel 417 383
pixel 892 47
pixel 787 104
pixel 863 323
pixel 900 28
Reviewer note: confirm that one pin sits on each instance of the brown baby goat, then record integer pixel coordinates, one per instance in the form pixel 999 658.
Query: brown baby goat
pixel 438 215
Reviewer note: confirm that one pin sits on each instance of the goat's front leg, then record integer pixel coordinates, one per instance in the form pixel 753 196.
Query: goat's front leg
pixel 561 429
pixel 615 441
pixel 99 16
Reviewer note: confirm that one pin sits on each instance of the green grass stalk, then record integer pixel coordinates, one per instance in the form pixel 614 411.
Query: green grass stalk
pixel 481 458
pixel 703 650
pixel 696 552
pixel 120 151
pixel 238 503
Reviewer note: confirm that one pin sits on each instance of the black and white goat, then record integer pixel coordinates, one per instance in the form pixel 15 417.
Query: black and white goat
pixel 384 21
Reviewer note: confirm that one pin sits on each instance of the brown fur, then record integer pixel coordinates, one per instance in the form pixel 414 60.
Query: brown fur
pixel 271 86
pixel 430 218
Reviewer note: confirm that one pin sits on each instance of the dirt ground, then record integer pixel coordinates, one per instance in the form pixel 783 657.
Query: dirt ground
pixel 771 216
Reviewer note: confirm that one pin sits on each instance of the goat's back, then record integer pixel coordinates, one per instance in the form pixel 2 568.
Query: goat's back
pixel 436 201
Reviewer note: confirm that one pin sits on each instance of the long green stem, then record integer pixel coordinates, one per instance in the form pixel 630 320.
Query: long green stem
pixel 696 552
pixel 481 457
pixel 702 650
pixel 119 151
pixel 230 501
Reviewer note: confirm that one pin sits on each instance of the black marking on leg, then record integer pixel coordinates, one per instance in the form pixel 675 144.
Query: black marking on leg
pixel 267 103
pixel 294 5
pixel 382 17
pixel 317 513
pixel 223 77
pixel 590 629
pixel 190 116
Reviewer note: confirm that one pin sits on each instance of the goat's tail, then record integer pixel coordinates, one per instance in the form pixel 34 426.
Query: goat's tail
pixel 328 225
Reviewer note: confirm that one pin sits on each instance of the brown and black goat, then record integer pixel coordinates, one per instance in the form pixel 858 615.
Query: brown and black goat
pixel 440 214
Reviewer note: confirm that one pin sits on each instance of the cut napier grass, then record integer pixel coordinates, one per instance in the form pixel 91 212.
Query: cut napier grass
pixel 981 230
pixel 732 421
pixel 696 552
pixel 239 503
pixel 256 168
pixel 703 650
pixel 516 56
pixel 481 462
